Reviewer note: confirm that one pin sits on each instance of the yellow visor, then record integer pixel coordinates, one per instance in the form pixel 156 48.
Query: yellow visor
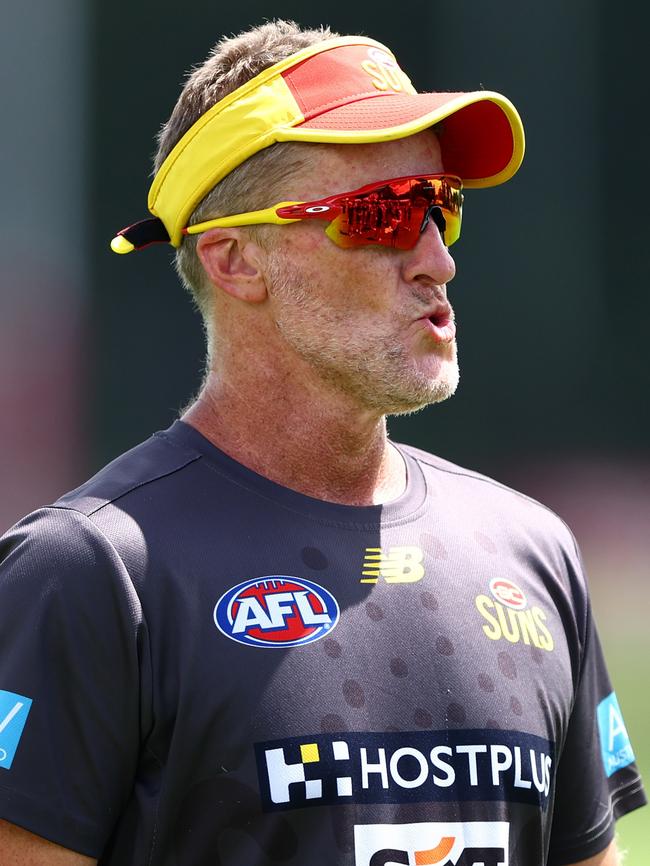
pixel 341 91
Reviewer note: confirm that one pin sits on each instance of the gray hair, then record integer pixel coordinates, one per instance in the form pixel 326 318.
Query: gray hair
pixel 252 185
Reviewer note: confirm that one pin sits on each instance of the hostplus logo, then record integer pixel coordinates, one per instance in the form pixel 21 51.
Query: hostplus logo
pixel 468 843
pixel 394 565
pixel 415 766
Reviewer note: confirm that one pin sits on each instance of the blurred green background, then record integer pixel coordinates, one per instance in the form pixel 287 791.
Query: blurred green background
pixel 551 296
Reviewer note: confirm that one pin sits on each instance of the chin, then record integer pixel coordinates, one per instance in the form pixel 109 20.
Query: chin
pixel 413 396
pixel 416 405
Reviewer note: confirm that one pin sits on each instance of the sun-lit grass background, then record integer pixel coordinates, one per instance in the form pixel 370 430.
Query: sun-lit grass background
pixel 607 504
pixel 628 652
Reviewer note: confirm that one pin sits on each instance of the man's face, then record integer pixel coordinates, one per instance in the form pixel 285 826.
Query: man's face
pixel 373 322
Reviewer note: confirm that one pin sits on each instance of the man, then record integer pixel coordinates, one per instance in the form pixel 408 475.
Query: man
pixel 268 635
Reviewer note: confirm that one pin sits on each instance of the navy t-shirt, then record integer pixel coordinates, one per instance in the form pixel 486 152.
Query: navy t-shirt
pixel 199 667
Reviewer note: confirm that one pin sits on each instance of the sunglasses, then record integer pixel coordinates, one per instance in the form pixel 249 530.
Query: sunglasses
pixel 390 213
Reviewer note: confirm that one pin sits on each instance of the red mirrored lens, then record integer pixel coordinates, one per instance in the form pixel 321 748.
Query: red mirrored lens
pixel 394 213
pixel 391 213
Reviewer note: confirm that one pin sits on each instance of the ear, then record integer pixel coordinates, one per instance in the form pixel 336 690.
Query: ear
pixel 232 262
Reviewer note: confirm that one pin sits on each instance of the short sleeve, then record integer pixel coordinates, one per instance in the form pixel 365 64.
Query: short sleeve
pixel 597 780
pixel 70 629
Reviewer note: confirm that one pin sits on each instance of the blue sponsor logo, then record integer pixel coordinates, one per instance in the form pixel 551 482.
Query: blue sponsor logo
pixel 406 767
pixel 615 746
pixel 276 611
pixel 14 710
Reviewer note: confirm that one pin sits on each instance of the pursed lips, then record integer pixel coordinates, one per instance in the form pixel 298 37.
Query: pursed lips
pixel 439 322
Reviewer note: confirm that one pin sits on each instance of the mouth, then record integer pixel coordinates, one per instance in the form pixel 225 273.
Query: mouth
pixel 440 325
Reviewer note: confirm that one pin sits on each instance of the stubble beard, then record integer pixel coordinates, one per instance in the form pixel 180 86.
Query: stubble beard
pixel 378 373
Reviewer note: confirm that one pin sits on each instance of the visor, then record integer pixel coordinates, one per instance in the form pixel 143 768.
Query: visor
pixel 347 90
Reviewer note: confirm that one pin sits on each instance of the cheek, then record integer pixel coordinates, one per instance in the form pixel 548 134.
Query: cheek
pixel 354 282
pixel 303 239
pixel 374 279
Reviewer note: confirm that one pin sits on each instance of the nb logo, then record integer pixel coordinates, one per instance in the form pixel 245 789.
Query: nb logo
pixel 396 565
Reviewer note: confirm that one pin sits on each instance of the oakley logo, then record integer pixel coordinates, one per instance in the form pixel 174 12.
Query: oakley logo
pixel 317 208
pixel 396 565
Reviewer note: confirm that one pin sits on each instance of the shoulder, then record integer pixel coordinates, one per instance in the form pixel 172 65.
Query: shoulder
pixel 159 457
pixel 479 498
pixel 59 572
pixel 49 539
pixel 93 534
pixel 517 532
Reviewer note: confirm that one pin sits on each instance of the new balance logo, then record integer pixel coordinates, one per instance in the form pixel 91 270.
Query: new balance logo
pixel 395 565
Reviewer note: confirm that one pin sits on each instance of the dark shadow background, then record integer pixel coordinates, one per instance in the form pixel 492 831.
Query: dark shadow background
pixel 551 293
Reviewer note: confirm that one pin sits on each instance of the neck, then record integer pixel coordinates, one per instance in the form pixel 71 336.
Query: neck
pixel 324 447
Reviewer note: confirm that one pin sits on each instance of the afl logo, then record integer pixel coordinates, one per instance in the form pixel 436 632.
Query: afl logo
pixel 276 611
pixel 508 593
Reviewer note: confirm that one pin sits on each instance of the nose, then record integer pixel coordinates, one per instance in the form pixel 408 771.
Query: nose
pixel 429 262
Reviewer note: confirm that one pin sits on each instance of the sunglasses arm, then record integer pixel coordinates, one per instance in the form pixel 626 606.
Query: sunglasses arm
pixel 268 216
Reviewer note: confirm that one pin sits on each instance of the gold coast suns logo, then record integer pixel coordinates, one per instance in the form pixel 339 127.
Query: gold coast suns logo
pixel 385 73
pixel 508 617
